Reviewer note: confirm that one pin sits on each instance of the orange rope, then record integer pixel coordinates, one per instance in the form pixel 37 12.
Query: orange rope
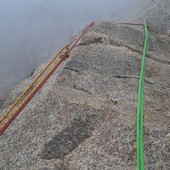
pixel 19 104
pixel 30 85
pixel 28 98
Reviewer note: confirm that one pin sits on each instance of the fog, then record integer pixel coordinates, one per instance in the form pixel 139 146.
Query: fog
pixel 31 31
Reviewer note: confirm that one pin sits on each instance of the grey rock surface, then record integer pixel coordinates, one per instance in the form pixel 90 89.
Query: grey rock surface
pixel 156 12
pixel 84 117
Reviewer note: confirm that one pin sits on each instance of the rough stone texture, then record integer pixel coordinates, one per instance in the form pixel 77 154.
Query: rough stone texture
pixel 84 116
pixel 156 12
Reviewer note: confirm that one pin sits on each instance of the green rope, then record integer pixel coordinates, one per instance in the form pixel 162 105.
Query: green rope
pixel 139 138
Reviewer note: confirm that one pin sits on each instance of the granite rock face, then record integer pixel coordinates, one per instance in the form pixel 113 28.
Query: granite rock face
pixel 156 12
pixel 84 117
